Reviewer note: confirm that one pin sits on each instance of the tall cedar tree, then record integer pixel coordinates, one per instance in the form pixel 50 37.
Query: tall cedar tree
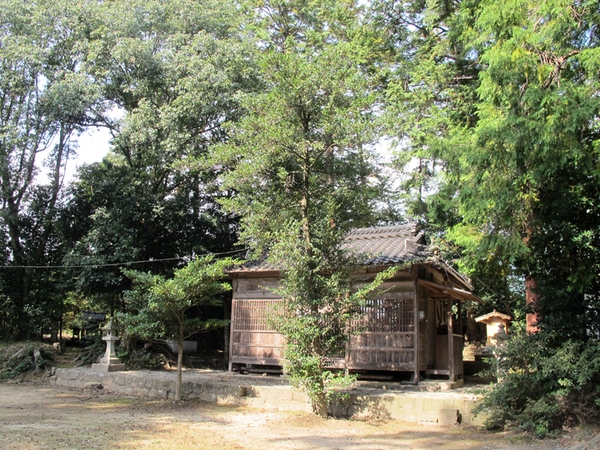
pixel 302 166
pixel 498 101
pixel 503 98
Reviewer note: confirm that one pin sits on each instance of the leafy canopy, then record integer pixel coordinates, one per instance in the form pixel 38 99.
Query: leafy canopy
pixel 157 306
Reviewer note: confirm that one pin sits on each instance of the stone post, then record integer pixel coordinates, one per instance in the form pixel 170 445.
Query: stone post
pixel 109 362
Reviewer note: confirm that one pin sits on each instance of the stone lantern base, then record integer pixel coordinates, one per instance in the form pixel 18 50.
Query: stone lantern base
pixel 99 367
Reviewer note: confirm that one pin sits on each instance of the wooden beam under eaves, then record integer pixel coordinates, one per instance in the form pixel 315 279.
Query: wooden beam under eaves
pixel 459 294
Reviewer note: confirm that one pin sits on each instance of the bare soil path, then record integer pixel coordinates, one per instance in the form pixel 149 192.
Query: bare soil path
pixel 36 416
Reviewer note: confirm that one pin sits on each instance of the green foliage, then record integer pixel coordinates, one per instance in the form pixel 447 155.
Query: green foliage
pixel 160 307
pixel 315 318
pixel 114 217
pixel 494 109
pixel 564 253
pixel 46 100
pixel 174 69
pixel 302 165
pixel 494 106
pixel 544 384
pixel 95 347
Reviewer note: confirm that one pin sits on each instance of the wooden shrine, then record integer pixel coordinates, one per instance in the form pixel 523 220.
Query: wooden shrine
pixel 414 326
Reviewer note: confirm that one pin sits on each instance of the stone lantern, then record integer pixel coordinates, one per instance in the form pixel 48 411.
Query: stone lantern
pixel 501 336
pixel 109 362
pixel 493 322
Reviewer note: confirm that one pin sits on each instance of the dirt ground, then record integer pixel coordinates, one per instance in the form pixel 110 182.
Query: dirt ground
pixel 34 415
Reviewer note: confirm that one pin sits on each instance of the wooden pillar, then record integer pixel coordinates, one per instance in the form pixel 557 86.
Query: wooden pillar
pixel 227 304
pixel 451 374
pixel 231 327
pixel 460 322
pixel 416 330
pixel 347 348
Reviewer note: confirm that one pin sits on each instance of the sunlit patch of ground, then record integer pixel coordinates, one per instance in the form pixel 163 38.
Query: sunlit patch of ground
pixel 34 416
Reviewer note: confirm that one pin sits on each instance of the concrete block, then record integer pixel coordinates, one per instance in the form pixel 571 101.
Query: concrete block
pixel 299 396
pixel 168 385
pixel 192 396
pixel 108 367
pixel 225 390
pixel 279 393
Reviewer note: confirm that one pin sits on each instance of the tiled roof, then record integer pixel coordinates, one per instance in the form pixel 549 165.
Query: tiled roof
pixel 255 265
pixel 371 246
pixel 490 316
pixel 383 246
pixel 378 246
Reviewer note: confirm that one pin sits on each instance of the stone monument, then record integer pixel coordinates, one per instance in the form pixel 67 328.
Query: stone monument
pixel 109 362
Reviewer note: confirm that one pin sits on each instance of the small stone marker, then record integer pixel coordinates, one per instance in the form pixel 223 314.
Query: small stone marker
pixel 109 362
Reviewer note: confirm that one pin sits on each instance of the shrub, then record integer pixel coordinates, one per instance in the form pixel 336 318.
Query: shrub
pixel 544 385
pixel 94 351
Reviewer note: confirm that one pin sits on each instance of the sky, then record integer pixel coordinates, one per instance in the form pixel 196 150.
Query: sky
pixel 93 146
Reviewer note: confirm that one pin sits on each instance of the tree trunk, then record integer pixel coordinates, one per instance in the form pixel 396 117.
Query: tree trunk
pixel 179 364
pixel 319 403
pixel 12 198
pixel 531 299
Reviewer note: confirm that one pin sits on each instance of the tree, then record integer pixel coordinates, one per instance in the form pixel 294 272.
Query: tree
pixel 430 70
pixel 518 152
pixel 564 256
pixel 46 99
pixel 539 125
pixel 168 308
pixel 499 99
pixel 301 164
pixel 113 218
pixel 173 68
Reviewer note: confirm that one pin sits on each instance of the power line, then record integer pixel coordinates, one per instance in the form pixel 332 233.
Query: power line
pixel 126 263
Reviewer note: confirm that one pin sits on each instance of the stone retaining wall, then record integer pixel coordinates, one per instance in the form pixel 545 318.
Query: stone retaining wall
pixel 436 408
pixel 154 385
